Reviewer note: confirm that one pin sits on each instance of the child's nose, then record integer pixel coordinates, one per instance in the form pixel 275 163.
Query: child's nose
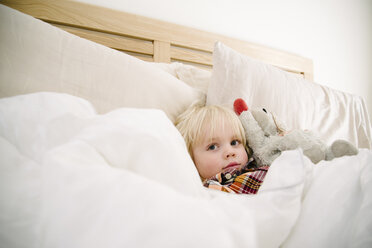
pixel 230 153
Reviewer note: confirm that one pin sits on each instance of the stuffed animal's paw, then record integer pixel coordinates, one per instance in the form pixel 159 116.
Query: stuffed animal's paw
pixel 343 148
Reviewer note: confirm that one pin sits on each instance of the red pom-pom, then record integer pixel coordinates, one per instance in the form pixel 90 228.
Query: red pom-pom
pixel 240 106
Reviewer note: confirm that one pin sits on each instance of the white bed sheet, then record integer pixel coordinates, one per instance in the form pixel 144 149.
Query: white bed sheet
pixel 72 178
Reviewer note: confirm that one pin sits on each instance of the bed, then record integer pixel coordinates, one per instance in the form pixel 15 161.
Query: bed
pixel 90 157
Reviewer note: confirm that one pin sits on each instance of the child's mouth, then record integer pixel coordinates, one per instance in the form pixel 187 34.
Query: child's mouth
pixel 231 165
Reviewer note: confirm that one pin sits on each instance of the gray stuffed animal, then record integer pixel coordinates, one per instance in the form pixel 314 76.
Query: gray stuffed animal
pixel 267 138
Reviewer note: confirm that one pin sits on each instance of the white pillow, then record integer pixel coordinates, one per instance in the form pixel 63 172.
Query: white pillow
pixel 36 56
pixel 295 101
pixel 193 76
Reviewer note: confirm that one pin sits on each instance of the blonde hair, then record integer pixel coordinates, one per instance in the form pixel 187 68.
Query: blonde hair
pixel 193 122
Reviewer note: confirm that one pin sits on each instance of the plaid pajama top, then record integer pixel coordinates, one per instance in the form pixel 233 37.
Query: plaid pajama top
pixel 242 181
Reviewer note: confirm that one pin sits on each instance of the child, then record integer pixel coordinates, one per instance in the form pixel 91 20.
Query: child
pixel 216 142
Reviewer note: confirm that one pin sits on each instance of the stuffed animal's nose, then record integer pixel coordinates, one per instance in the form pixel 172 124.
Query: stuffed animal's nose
pixel 240 106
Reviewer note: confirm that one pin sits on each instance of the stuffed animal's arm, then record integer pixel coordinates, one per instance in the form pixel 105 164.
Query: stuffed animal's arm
pixel 253 132
pixel 264 148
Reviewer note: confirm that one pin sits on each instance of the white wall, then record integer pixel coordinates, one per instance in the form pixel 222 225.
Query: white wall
pixel 335 34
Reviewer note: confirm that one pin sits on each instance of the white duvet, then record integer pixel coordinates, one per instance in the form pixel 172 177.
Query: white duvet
pixel 72 178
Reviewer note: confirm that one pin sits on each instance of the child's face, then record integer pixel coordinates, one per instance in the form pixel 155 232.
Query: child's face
pixel 215 154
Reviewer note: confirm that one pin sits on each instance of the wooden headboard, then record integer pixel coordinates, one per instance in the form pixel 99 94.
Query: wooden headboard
pixel 150 39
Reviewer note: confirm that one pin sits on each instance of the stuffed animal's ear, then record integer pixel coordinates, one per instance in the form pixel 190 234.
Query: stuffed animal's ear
pixel 240 106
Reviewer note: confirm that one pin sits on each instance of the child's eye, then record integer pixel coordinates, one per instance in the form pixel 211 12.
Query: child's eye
pixel 212 147
pixel 235 142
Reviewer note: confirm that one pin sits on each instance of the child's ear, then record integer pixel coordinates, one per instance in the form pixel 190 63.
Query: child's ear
pixel 249 151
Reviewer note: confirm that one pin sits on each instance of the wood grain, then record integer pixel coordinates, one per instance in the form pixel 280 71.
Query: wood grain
pixel 151 39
